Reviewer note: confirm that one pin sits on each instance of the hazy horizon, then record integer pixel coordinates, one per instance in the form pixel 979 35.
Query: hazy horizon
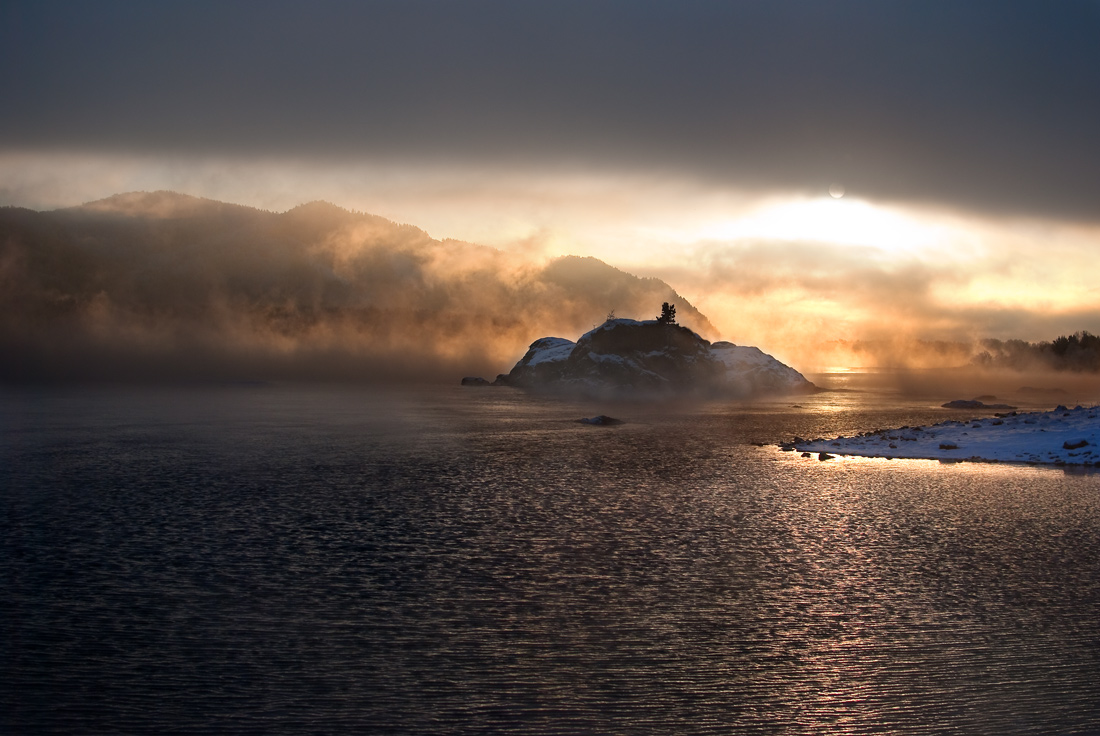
pixel 802 174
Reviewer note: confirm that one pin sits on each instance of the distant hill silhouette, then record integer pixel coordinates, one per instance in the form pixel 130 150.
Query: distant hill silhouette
pixel 587 275
pixel 161 284
pixel 1077 352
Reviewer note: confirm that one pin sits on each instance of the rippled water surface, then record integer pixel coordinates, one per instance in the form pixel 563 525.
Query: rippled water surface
pixel 275 559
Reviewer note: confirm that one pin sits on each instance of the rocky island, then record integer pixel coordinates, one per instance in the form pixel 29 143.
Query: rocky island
pixel 626 358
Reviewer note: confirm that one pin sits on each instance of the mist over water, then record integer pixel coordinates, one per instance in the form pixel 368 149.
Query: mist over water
pixel 242 559
pixel 162 286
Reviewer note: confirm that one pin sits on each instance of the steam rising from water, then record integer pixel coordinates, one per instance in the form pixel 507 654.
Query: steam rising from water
pixel 166 285
pixel 180 286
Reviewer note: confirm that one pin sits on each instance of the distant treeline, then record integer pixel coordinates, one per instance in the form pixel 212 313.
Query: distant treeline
pixel 1077 352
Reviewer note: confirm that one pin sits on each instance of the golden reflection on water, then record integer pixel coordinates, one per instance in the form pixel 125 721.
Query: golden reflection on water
pixel 484 563
pixel 891 567
pixel 989 469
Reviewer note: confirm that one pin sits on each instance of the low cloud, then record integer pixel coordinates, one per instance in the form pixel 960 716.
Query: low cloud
pixel 817 304
pixel 166 286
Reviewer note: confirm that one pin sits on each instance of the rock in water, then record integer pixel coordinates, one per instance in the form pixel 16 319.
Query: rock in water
pixel 628 358
pixel 973 404
pixel 600 421
pixel 475 381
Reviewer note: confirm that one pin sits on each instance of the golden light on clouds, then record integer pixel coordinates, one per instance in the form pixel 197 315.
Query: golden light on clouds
pixel 829 220
pixel 782 270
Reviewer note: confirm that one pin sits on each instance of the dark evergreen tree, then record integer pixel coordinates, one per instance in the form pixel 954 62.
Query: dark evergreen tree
pixel 668 314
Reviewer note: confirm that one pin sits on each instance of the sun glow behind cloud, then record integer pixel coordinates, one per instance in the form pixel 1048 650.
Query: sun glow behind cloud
pixel 832 220
pixel 780 270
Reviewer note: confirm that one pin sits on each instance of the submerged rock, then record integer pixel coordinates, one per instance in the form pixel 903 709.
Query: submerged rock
pixel 636 359
pixel 600 421
pixel 974 404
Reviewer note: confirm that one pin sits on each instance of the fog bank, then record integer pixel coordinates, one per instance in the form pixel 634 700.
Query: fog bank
pixel 164 285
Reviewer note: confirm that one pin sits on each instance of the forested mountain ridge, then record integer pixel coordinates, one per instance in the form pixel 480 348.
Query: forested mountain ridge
pixel 164 284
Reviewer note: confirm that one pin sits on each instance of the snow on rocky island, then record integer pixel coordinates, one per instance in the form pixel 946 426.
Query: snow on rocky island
pixel 1059 437
pixel 636 359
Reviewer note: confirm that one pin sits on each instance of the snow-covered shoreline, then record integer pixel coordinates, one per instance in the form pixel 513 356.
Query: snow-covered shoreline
pixel 1059 437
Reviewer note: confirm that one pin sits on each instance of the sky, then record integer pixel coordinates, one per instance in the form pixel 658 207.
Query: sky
pixel 801 171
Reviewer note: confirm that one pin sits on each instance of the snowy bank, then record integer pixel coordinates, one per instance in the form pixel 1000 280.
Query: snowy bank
pixel 1059 437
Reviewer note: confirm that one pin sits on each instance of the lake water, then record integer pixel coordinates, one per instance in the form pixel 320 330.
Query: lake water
pixel 258 559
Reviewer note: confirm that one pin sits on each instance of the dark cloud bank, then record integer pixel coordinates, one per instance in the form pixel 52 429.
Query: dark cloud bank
pixel 165 286
pixel 978 105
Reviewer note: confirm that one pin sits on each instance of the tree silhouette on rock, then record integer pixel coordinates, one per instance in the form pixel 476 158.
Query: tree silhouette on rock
pixel 668 314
